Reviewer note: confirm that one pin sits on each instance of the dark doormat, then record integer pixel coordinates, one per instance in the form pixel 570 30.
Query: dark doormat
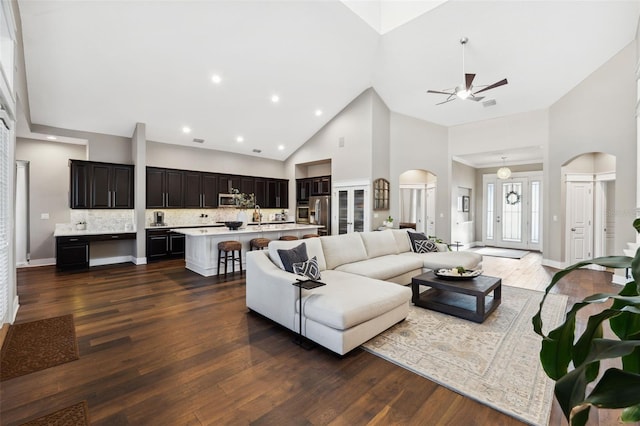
pixel 36 345
pixel 75 415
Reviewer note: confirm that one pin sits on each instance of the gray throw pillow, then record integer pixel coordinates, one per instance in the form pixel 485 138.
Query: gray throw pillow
pixel 308 269
pixel 295 255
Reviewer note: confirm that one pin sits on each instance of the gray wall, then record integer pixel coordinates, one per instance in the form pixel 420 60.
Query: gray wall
pixel 381 146
pixel 598 115
pixel 49 189
pixel 420 145
pixel 207 160
pixel 463 181
pixel 100 147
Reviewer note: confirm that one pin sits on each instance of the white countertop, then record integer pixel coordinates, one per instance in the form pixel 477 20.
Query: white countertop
pixel 201 232
pixel 76 232
pixel 212 225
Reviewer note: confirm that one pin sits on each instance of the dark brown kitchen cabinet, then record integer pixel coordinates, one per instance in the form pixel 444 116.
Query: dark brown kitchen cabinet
pixel 303 189
pixel 164 244
pixel 247 185
pixel 261 192
pixel 165 188
pixel 277 196
pixel 72 253
pixel 228 182
pixel 321 185
pixel 200 190
pixel 97 185
pixel 79 196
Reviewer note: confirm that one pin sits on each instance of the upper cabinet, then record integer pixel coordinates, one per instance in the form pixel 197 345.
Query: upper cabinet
pixel 313 186
pixel 165 188
pixel 170 188
pixel 101 185
pixel 200 190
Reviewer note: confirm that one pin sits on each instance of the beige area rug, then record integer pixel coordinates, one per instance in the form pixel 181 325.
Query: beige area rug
pixel 496 362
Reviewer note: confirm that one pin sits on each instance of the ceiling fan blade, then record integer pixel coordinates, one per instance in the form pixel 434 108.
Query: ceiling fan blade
pixel 453 98
pixel 475 98
pixel 468 79
pixel 440 93
pixel 493 86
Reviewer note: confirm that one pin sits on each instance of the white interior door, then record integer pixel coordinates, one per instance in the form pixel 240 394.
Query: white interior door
pixel 431 211
pixel 579 221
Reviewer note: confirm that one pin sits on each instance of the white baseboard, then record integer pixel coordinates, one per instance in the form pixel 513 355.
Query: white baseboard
pixel 38 262
pixel 139 260
pixel 620 279
pixel 14 311
pixel 554 264
pixel 110 260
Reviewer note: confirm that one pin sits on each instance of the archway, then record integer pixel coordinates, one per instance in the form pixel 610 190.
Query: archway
pixel 418 200
pixel 589 195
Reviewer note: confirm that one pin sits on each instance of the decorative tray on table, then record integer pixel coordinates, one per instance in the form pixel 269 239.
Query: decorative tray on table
pixel 457 273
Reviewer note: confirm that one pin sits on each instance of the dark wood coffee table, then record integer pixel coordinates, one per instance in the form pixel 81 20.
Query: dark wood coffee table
pixel 468 299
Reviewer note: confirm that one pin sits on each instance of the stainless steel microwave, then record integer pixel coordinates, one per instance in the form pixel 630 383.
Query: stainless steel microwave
pixel 226 200
pixel 302 213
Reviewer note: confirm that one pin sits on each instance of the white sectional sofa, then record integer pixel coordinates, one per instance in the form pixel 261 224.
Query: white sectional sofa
pixel 361 297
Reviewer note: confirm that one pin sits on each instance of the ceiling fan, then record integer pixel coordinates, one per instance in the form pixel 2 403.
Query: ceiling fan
pixel 466 90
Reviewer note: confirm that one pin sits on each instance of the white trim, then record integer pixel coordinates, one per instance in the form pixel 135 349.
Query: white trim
pixel 110 260
pixel 39 262
pixel 139 260
pixel 14 310
pixel 605 176
pixel 619 279
pixel 554 263
pixel 343 183
pixel 579 177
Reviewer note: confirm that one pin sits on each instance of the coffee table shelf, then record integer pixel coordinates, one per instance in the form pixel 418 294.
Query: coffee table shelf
pixel 469 299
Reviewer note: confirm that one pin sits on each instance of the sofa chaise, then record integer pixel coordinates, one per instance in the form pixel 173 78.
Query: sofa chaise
pixel 361 297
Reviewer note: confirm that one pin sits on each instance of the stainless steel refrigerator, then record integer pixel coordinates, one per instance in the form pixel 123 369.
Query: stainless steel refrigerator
pixel 320 213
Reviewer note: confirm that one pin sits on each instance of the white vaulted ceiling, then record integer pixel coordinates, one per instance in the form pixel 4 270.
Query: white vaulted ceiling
pixel 102 66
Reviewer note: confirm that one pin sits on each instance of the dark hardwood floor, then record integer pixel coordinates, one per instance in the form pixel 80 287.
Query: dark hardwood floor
pixel 160 345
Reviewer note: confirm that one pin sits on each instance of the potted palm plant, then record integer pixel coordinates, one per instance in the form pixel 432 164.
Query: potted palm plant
pixel 618 387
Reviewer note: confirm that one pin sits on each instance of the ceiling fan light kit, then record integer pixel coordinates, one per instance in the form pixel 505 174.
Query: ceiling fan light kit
pixel 466 89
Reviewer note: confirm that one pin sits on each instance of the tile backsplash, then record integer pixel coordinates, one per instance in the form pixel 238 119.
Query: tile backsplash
pixel 187 217
pixel 104 220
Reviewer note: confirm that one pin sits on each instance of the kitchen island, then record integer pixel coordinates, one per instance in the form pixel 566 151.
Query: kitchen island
pixel 201 250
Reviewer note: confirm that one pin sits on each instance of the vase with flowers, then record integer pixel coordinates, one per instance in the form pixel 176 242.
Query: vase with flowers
pixel 243 202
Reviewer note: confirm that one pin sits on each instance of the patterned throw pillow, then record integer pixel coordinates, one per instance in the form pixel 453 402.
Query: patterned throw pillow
pixel 421 244
pixel 308 269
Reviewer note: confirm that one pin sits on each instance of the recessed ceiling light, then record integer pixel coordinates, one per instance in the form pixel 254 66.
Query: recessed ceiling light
pixel 318 112
pixel 186 129
pixel 216 78
pixel 51 138
pixel 239 139
pixel 275 99
pixel 280 147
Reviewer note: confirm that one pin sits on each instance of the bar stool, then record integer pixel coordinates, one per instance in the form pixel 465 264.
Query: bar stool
pixel 258 243
pixel 229 251
pixel 288 238
pixel 310 236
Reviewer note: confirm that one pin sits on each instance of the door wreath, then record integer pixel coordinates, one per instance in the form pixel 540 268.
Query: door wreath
pixel 512 198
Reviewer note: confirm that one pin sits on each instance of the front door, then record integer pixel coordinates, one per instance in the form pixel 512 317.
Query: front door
pixel 511 229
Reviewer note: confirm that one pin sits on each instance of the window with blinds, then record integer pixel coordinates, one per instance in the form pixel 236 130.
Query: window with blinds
pixel 4 215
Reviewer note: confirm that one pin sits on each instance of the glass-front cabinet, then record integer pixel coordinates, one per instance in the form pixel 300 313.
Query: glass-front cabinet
pixel 352 209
